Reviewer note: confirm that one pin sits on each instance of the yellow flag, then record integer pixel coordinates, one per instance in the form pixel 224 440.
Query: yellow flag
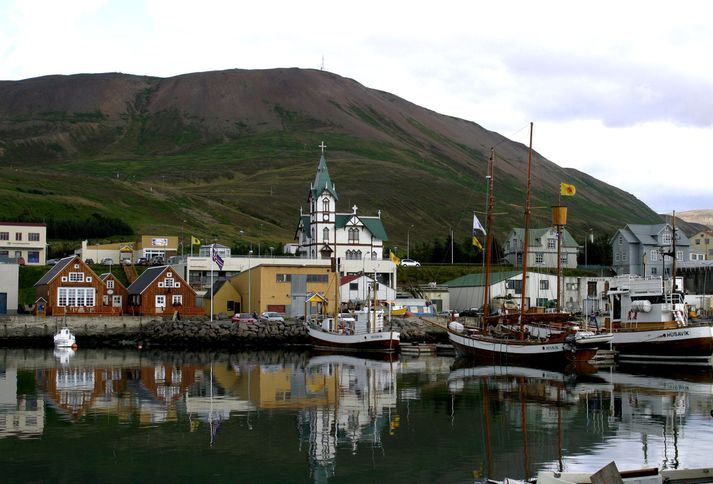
pixel 394 258
pixel 567 190
pixel 195 241
pixel 476 243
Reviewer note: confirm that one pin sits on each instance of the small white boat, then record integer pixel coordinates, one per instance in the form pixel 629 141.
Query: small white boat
pixel 64 339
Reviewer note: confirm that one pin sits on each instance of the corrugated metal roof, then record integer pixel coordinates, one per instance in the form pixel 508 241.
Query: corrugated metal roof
pixel 145 279
pixel 478 279
pixel 56 269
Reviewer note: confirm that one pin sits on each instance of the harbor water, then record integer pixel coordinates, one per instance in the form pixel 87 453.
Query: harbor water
pixel 272 416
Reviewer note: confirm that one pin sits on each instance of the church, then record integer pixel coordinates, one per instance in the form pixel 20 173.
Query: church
pixel 323 232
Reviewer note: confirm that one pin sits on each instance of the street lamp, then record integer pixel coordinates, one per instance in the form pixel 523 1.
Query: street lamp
pixel 408 242
pixel 250 253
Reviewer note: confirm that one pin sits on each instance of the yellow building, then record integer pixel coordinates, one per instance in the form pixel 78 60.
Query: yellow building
pixel 702 243
pixel 226 299
pixel 283 288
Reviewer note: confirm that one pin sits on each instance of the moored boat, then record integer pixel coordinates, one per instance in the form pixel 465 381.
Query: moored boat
pixel 650 324
pixel 64 339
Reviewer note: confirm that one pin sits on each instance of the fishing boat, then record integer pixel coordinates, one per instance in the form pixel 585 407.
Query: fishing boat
pixel 362 332
pixel 64 339
pixel 504 344
pixel 650 324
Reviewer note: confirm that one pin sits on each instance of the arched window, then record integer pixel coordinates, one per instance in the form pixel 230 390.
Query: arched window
pixel 353 236
pixel 325 234
pixel 325 205
pixel 373 255
pixel 357 254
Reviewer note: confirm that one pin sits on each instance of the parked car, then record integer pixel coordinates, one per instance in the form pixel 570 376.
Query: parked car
pixel 472 312
pixel 271 317
pixel 51 262
pixel 410 263
pixel 156 260
pixel 89 261
pixel 107 261
pixel 142 261
pixel 243 318
pixel 126 262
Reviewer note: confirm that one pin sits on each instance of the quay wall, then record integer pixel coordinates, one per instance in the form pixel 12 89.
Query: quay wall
pixel 35 331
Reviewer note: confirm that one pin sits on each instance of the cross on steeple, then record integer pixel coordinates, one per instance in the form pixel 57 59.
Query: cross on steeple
pixel 323 146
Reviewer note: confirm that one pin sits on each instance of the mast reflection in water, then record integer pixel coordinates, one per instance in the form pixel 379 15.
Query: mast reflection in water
pixel 296 417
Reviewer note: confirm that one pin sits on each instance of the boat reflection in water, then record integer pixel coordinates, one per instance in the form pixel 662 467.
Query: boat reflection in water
pixel 360 397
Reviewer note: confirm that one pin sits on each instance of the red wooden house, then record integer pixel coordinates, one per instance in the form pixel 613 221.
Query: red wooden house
pixel 160 291
pixel 117 295
pixel 72 287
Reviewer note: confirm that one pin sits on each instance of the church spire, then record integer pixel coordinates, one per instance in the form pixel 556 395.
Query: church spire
pixel 322 181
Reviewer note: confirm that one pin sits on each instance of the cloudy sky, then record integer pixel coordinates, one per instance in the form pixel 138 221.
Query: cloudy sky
pixel 622 90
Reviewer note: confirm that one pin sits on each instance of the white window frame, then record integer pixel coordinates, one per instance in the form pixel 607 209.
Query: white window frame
pixel 116 301
pixel 33 236
pixel 76 297
pixel 539 258
pixel 110 283
pixel 544 285
pixel 160 300
pixel 168 282
pixel 76 277
pixel 551 243
pixel 176 299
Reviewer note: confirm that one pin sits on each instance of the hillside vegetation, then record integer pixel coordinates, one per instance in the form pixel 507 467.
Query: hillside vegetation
pixel 217 153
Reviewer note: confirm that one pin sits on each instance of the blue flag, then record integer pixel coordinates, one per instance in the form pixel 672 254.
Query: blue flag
pixel 217 259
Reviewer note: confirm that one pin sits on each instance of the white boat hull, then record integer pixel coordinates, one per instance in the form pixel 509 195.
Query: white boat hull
pixel 691 345
pixel 385 341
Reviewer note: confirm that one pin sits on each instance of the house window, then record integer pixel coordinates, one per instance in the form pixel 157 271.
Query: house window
pixel 539 258
pixel 168 282
pixel 160 301
pixel 4 253
pixel 33 237
pixel 353 286
pixel 515 284
pixel 325 205
pixel 317 278
pixel 116 301
pixel 33 256
pixel 544 285
pixel 75 296
pixel 283 277
pixel 353 236
pixel 551 243
pixel 698 241
pixel 617 257
pixel 573 286
pixel 623 257
pixel 679 255
pixel 654 255
pixel 18 254
pixel 18 235
pixel 325 235
pixel 563 259
pixel 621 240
pixel 541 302
pixel 76 277
pixel 4 235
pixel 177 300
pixel 666 238
pixel 110 284
pixel 653 271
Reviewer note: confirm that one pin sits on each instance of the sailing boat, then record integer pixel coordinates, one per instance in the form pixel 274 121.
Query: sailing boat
pixel 365 332
pixel 515 345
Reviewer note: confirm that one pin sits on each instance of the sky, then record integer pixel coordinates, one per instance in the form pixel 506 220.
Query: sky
pixel 621 90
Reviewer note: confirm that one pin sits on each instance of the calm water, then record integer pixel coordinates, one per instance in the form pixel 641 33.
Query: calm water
pixel 129 416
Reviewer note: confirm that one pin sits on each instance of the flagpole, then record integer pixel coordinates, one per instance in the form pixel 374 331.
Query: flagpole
pixel 212 248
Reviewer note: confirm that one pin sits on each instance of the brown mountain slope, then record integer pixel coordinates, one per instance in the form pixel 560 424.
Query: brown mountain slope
pixel 207 135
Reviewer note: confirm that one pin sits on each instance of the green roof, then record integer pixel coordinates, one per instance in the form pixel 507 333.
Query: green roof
pixel 478 279
pixel 322 181
pixel 373 224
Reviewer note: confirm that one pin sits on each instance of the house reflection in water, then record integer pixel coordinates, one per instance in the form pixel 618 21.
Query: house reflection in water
pixel 21 416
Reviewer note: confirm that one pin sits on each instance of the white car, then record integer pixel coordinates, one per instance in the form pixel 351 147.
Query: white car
pixel 271 317
pixel 410 263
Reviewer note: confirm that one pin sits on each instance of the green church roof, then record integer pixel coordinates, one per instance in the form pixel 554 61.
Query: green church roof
pixel 322 181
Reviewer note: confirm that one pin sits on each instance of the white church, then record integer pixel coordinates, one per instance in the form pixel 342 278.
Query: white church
pixel 357 240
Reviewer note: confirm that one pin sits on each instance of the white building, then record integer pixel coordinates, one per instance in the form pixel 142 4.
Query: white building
pixel 9 288
pixel 357 289
pixel 26 241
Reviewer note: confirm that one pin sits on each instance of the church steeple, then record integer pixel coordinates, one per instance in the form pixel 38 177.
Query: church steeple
pixel 322 181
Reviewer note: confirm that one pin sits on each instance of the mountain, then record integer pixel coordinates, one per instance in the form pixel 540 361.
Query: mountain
pixel 688 228
pixel 230 155
pixel 700 219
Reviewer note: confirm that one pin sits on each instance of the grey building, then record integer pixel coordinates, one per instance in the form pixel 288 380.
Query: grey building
pixel 542 250
pixel 646 250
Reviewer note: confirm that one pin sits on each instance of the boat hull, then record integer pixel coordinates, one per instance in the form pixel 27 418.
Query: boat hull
pixel 500 351
pixel 385 342
pixel 689 345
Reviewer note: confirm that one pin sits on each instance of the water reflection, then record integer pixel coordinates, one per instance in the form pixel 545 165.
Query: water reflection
pixel 296 416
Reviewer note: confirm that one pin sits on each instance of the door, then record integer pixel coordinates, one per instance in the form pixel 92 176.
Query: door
pixel 160 303
pixel 3 303
pixel 116 301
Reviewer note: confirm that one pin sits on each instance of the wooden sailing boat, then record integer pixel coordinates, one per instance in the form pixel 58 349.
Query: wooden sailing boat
pixel 363 333
pixel 515 345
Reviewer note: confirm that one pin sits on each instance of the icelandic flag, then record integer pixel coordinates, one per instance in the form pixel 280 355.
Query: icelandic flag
pixel 217 258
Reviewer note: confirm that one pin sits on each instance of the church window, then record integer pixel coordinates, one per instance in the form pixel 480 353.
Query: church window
pixel 358 254
pixel 325 205
pixel 325 234
pixel 353 236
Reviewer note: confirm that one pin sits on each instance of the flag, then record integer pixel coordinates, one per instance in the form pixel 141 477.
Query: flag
pixel 394 258
pixel 476 243
pixel 567 190
pixel 477 225
pixel 217 258
pixel 195 241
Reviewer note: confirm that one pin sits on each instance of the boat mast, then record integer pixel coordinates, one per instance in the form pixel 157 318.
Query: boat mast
pixel 673 253
pixel 526 237
pixel 489 235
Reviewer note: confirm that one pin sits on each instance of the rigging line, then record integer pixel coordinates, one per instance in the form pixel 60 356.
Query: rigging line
pixel 508 138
